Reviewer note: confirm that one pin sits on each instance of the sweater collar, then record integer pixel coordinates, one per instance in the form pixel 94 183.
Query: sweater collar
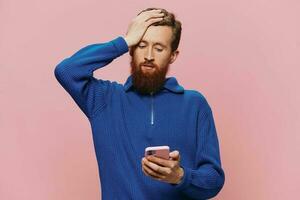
pixel 170 83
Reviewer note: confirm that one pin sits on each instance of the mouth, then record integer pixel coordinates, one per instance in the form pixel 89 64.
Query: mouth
pixel 148 67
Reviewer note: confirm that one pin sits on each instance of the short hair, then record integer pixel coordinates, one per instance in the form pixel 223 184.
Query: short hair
pixel 169 20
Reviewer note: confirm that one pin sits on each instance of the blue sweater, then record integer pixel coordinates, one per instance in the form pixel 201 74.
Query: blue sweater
pixel 124 123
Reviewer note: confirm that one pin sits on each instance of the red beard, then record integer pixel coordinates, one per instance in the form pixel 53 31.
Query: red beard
pixel 147 81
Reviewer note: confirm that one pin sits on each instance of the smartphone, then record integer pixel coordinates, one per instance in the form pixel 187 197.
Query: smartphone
pixel 158 151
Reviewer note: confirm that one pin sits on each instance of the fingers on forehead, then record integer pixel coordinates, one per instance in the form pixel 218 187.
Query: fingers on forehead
pixel 153 11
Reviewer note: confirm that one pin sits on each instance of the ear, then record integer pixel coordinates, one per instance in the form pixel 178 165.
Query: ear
pixel 174 56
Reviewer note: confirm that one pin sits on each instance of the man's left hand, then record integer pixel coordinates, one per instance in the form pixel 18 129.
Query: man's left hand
pixel 164 170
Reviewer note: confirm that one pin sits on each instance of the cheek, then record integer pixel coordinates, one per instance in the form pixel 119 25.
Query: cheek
pixel 162 60
pixel 138 56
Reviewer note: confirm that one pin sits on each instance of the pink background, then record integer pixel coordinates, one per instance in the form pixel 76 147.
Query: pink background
pixel 242 55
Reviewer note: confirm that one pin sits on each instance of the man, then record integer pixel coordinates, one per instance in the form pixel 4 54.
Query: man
pixel 148 110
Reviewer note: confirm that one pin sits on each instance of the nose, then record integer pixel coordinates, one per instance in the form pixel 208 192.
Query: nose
pixel 149 56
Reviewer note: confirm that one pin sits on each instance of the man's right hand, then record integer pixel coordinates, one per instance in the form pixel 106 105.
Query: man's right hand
pixel 139 25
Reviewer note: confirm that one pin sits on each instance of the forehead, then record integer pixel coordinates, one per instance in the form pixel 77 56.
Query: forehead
pixel 158 34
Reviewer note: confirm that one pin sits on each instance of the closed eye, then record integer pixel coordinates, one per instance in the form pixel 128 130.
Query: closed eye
pixel 140 46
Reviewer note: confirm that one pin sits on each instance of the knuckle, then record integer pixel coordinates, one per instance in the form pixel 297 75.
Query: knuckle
pixel 152 173
pixel 145 172
pixel 169 171
pixel 148 173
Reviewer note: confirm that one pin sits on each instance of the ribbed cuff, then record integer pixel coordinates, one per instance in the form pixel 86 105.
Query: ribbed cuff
pixel 121 45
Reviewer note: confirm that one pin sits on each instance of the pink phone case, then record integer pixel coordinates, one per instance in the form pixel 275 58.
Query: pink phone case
pixel 158 151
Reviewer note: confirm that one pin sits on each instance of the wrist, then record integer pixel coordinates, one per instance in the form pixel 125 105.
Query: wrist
pixel 181 174
pixel 128 42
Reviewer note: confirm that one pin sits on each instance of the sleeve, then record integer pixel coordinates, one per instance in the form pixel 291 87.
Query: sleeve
pixel 75 74
pixel 207 178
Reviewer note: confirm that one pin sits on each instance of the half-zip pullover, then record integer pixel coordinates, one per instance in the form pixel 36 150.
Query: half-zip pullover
pixel 121 129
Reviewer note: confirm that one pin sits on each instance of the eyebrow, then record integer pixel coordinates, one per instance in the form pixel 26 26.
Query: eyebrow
pixel 156 43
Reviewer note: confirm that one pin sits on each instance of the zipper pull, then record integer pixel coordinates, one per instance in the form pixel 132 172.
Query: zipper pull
pixel 152 117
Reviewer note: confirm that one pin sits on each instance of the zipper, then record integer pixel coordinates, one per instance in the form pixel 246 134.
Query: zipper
pixel 152 114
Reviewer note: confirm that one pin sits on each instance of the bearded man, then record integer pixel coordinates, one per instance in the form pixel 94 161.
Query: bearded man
pixel 149 109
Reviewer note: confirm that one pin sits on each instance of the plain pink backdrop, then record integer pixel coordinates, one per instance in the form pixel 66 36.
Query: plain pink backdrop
pixel 242 55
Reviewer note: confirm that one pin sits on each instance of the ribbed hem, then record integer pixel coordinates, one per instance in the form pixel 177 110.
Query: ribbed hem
pixel 121 45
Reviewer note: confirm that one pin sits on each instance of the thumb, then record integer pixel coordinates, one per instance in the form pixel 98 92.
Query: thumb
pixel 175 155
